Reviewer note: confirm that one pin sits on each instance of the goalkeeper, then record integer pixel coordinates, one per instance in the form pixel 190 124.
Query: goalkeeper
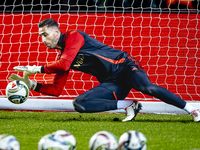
pixel 117 71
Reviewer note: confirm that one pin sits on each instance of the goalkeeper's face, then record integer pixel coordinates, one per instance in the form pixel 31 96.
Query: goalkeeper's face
pixel 50 36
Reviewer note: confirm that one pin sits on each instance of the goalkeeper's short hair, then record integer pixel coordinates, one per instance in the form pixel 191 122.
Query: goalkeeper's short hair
pixel 49 22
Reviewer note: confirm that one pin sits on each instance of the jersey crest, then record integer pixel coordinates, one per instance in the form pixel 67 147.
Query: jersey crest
pixel 79 60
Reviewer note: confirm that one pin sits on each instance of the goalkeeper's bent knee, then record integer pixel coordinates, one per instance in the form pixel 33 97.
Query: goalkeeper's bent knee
pixel 77 106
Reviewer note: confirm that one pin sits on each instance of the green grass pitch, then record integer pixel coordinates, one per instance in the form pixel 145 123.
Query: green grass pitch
pixel 163 132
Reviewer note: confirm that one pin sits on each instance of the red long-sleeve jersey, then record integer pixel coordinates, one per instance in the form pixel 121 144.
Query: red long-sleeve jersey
pixel 83 53
pixel 70 42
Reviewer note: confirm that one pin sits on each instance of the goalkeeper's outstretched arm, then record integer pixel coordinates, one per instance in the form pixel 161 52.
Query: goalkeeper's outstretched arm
pixel 69 44
pixel 56 87
pixel 53 89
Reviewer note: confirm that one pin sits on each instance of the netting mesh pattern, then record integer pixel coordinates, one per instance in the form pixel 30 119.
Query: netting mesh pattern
pixel 166 44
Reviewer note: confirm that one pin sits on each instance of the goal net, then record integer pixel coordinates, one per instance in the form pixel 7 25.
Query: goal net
pixel 164 37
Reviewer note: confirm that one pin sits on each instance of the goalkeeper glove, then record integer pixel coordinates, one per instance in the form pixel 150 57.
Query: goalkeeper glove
pixel 31 84
pixel 30 69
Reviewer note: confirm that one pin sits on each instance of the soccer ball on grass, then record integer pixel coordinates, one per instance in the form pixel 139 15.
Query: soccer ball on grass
pixel 103 140
pixel 59 140
pixel 17 92
pixel 9 142
pixel 132 140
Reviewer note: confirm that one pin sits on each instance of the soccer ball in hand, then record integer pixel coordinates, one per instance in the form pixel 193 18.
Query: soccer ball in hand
pixel 17 92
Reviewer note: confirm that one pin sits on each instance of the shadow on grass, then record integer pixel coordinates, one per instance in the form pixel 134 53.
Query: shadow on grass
pixel 119 117
pixel 109 117
pixel 162 120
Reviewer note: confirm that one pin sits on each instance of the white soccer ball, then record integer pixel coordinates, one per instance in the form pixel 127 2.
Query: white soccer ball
pixel 60 139
pixel 103 140
pixel 17 92
pixel 132 140
pixel 9 142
